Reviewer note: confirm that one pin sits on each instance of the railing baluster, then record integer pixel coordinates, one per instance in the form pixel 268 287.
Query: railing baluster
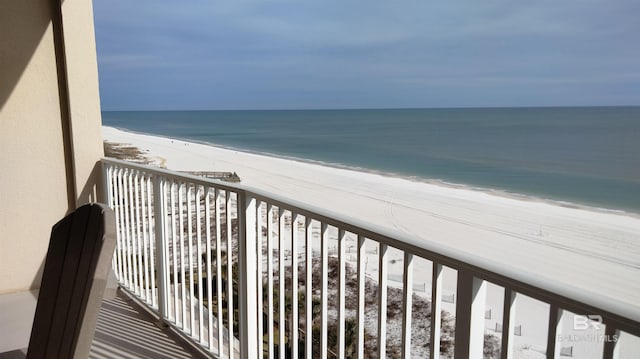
pixel 469 337
pixel 159 215
pixel 436 310
pixel 152 266
pixel 248 277
pixel 281 288
pixel 478 309
pixel 119 220
pixel 107 183
pixel 133 226
pixel 140 213
pixel 324 239
pixel 174 245
pixel 406 305
pixel 142 223
pixel 555 318
pixel 308 293
pixel 341 293
pixel 166 282
pixel 130 230
pixel 146 228
pixel 151 285
pixel 199 266
pixel 127 232
pixel 146 225
pixel 382 300
pixel 295 320
pixel 361 286
pixel 183 280
pixel 219 272
pixel 508 323
pixel 134 237
pixel 145 238
pixel 141 234
pixel 270 279
pixel 610 347
pixel 229 272
pixel 108 172
pixel 139 258
pixel 111 201
pixel 207 215
pixel 192 314
pixel 260 271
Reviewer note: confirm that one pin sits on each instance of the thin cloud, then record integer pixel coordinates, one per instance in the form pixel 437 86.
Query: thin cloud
pixel 328 53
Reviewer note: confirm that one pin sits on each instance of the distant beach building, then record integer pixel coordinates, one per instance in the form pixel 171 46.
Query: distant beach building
pixel 223 176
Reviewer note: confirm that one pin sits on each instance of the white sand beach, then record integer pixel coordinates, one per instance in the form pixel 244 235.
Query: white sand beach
pixel 586 250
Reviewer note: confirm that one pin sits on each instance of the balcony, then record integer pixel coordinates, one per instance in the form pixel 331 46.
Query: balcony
pixel 242 272
pixel 238 272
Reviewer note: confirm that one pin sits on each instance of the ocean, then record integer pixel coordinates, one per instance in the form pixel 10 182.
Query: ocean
pixel 576 155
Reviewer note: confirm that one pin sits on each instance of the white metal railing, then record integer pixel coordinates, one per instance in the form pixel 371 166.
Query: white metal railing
pixel 243 272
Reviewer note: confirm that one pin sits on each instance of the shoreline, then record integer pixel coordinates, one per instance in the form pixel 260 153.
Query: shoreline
pixel 402 205
pixel 411 178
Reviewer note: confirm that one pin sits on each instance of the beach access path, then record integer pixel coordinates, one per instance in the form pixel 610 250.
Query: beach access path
pixel 585 249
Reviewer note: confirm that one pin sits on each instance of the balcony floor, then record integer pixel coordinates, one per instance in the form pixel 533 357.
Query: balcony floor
pixel 124 330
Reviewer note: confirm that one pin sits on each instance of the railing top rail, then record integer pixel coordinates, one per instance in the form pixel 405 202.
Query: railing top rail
pixel 625 316
pixel 180 176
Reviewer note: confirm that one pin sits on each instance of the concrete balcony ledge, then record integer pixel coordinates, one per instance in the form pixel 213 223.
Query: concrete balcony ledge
pixel 16 317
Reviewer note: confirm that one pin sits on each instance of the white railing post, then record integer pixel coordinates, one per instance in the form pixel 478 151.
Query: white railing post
pixel 341 293
pixel 248 277
pixel 324 239
pixel 230 307
pixel 508 323
pixel 106 188
pixel 161 253
pixel 436 310
pixel 295 316
pixel 478 307
pixel 259 280
pixel 270 334
pixel 218 221
pixel 281 285
pixel 361 286
pixel 610 348
pixel 470 306
pixel 555 319
pixel 308 294
pixel 407 304
pixel 383 273
pixel 117 190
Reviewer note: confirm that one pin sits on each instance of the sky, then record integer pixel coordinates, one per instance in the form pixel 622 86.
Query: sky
pixel 311 54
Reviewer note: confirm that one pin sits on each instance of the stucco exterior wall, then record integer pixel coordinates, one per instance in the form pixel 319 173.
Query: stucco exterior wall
pixel 82 74
pixel 47 155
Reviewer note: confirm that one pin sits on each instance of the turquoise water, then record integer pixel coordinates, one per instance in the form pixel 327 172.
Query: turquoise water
pixel 583 155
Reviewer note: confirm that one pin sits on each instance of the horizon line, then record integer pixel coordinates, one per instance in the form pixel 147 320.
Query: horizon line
pixel 365 108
